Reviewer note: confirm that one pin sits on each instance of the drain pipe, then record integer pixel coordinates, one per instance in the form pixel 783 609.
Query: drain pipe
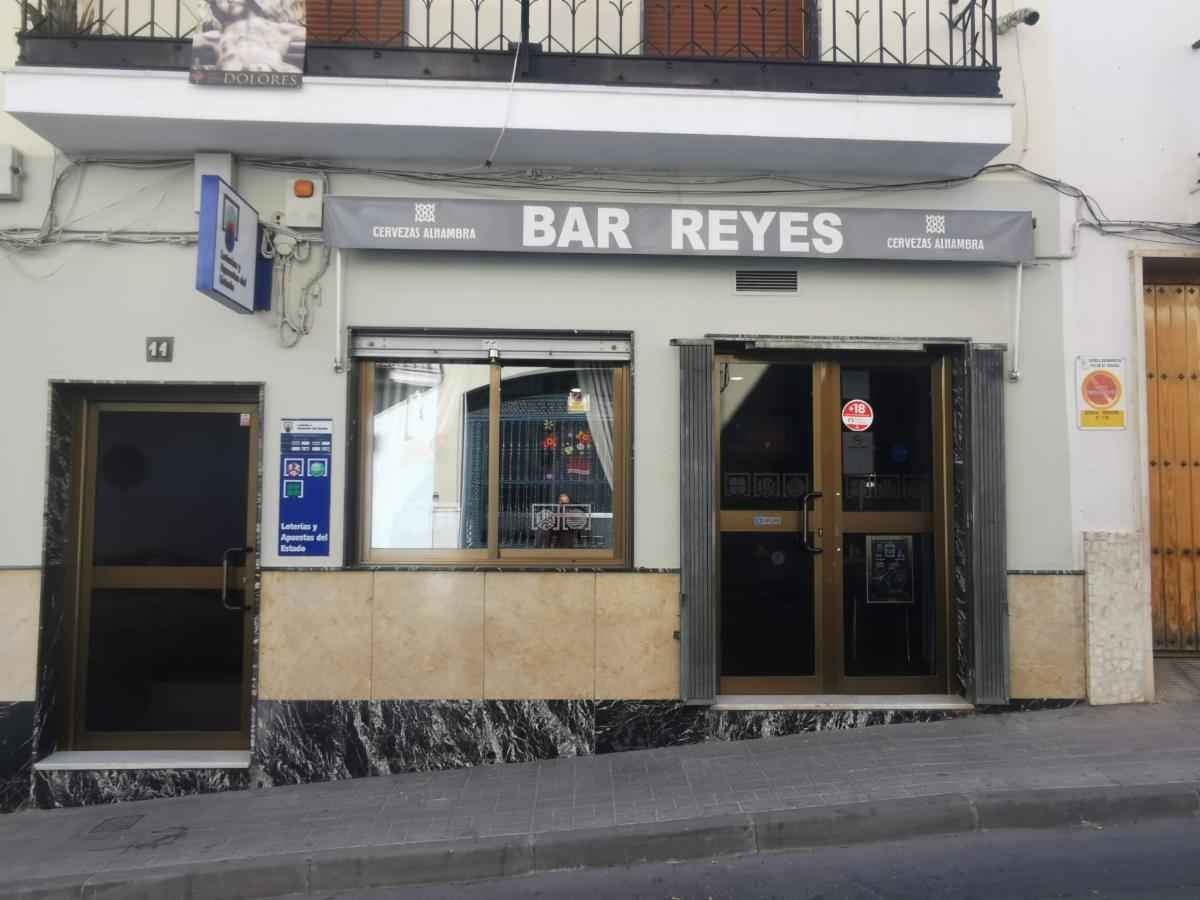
pixel 1014 371
pixel 339 364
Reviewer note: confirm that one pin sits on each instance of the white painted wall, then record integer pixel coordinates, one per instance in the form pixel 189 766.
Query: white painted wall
pixel 1111 109
pixel 82 311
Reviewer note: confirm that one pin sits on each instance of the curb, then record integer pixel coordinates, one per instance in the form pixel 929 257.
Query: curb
pixel 398 865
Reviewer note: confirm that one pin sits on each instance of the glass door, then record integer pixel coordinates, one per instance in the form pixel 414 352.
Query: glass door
pixel 889 572
pixel 834 511
pixel 166 577
pixel 769 550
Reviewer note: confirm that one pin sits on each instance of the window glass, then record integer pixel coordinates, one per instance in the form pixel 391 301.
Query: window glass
pixel 556 457
pixel 766 435
pixel 427 491
pixel 889 466
pixel 557 453
pixel 890 610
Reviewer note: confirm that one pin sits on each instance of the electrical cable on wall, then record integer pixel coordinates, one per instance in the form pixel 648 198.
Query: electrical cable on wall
pixel 592 181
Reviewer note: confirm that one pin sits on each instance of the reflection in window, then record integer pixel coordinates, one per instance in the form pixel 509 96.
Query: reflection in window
pixel 421 481
pixel 889 467
pixel 556 458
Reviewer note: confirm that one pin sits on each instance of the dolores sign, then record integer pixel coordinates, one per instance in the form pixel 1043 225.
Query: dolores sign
pixel 249 44
pixel 658 229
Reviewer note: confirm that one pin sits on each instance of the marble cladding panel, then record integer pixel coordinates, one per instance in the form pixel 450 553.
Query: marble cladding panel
pixel 1036 704
pixel 644 724
pixel 92 788
pixel 960 573
pixel 20 598
pixel 1120 655
pixel 16 753
pixel 637 654
pixel 427 636
pixel 325 740
pixel 540 636
pixel 315 642
pixel 49 710
pixel 1047 645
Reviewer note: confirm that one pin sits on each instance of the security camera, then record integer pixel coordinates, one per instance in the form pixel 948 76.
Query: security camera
pixel 1023 16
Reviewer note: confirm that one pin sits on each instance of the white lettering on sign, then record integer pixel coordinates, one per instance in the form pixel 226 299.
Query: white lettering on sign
pixel 758 227
pixel 828 227
pixel 694 230
pixel 722 229
pixel 428 233
pixel 792 227
pixel 537 227
pixel 857 415
pixel 686 224
pixel 607 231
pixel 611 227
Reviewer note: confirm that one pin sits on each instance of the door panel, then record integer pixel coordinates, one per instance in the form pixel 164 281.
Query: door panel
pixel 166 576
pixel 768 609
pixel 768 570
pixel 163 660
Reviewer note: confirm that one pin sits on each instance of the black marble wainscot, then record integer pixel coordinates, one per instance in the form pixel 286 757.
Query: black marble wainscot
pixel 47 723
pixel 320 740
pixel 16 754
pixel 1031 705
pixel 643 724
pixel 92 788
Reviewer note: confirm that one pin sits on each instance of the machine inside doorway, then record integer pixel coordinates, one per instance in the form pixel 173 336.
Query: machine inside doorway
pixel 833 523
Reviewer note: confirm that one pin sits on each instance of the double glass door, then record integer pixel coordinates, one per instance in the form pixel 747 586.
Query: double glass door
pixel 833 523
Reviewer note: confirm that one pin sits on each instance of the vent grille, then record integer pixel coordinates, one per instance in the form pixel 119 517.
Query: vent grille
pixel 775 281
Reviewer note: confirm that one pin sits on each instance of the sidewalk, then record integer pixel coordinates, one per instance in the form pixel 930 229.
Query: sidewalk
pixel 1019 769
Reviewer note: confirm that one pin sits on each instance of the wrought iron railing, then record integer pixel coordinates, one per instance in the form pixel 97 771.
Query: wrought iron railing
pixel 929 33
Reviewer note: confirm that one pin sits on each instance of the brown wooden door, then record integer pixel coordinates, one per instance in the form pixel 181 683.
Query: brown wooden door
pixel 1173 399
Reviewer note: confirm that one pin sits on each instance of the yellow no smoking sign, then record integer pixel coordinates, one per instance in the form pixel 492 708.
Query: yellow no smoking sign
pixel 1100 392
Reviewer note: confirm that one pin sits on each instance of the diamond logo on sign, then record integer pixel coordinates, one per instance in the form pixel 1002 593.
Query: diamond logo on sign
pixel 425 213
pixel 857 415
pixel 935 224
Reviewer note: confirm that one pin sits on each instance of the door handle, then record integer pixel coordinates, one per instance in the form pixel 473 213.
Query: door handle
pixel 804 501
pixel 225 578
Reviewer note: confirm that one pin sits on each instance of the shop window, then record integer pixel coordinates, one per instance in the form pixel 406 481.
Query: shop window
pixel 513 460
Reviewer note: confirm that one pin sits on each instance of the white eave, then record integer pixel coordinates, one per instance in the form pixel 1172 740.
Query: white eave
pixel 116 112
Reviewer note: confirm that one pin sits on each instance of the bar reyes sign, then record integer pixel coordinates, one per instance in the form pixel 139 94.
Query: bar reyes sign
pixel 988 236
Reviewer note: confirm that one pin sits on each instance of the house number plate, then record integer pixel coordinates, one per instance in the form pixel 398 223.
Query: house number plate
pixel 160 349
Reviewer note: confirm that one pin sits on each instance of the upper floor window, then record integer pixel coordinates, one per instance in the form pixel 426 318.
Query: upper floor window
pixel 513 450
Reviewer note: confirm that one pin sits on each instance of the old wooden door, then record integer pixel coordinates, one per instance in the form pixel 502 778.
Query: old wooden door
pixel 1173 399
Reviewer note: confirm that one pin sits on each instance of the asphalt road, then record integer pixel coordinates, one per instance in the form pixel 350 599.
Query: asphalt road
pixel 1159 860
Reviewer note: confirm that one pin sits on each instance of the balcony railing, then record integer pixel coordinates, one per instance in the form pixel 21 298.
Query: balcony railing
pixel 853 46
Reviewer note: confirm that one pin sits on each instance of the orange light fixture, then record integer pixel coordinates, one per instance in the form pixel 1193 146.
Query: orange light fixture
pixel 303 188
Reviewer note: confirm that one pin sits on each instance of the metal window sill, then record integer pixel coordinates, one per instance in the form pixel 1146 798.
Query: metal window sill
pixel 111 760
pixel 843 702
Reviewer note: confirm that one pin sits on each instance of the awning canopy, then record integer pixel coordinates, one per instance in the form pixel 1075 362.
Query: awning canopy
pixel 513 226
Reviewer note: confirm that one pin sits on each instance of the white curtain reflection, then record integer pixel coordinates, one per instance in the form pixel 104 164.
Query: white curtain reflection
pixel 597 386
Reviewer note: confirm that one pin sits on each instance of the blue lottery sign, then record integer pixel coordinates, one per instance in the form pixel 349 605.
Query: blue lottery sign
pixel 305 459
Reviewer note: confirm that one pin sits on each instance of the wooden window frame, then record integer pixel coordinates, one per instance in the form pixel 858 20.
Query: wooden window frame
pixel 616 557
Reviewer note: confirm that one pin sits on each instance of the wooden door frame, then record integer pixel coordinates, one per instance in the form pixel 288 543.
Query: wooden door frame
pixel 828 587
pixel 85 428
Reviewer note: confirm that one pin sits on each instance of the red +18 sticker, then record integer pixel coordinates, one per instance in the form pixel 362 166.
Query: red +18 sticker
pixel 857 415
